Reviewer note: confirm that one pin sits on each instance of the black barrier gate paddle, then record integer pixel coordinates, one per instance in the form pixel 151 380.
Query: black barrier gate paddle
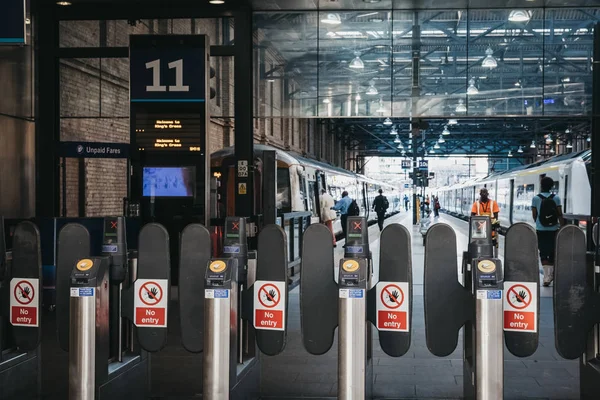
pixel 73 245
pixel 395 265
pixel 575 303
pixel 154 262
pixel 448 305
pixel 271 265
pixel 318 290
pixel 27 264
pixel 521 265
pixel 194 258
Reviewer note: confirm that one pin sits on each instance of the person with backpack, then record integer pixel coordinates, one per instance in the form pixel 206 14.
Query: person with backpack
pixel 346 207
pixel 436 207
pixel 546 210
pixel 328 216
pixel 380 206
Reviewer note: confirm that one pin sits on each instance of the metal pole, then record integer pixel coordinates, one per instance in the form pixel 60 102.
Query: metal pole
pixel 215 369
pixel 82 348
pixel 489 349
pixel 352 345
pixel 415 94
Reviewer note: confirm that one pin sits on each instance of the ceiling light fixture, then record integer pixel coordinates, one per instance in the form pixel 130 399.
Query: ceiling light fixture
pixel 326 100
pixel 518 83
pixel 397 140
pixel 393 131
pixel 569 145
pixel 403 152
pixel 520 149
pixel 589 139
pixel 63 3
pixel 489 61
pixel 567 131
pixel 371 1
pixel 357 63
pixel 432 151
pixel 372 90
pixel 441 139
pixel 445 132
pixel 519 16
pixel 401 146
pixel 510 153
pixel 387 122
pixel 461 108
pixel 548 139
pixel 357 98
pixel 552 150
pixel 472 89
pixel 566 79
pixel 332 19
pixel 436 146
pixel 452 122
pixel 532 145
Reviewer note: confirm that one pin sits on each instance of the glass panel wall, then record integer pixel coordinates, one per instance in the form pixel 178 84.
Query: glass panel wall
pixel 440 63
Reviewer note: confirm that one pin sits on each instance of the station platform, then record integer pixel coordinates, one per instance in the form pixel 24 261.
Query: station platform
pixel 418 374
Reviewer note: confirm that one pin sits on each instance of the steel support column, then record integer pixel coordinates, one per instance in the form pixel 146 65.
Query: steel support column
pixel 244 126
pixel 415 94
pixel 47 112
pixel 596 125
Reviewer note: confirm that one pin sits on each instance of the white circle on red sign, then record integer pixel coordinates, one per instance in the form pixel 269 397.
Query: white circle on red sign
pixel 24 292
pixel 392 296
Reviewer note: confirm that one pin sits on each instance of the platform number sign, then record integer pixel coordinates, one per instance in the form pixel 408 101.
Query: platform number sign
pixel 406 164
pixel 423 165
pixel 167 69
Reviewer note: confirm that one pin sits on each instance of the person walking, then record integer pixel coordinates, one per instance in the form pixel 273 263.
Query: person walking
pixel 406 202
pixel 546 210
pixel 342 206
pixel 380 206
pixel 436 207
pixel 327 214
pixel 488 207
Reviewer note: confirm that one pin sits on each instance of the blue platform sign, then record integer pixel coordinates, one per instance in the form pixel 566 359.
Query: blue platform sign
pixel 406 164
pixel 93 150
pixel 12 22
pixel 167 69
pixel 423 165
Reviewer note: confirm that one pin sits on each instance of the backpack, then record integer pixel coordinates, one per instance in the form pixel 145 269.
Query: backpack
pixel 386 204
pixel 353 209
pixel 548 215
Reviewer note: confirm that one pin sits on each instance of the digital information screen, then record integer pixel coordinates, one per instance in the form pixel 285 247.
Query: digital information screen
pixel 169 181
pixel 157 130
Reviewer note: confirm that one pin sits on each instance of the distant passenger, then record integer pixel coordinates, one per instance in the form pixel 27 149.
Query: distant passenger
pixel 547 213
pixel 327 214
pixel 406 202
pixel 342 206
pixel 487 207
pixel 380 206
pixel 436 207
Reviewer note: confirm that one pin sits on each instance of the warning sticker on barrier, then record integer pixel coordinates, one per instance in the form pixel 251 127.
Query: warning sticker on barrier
pixel 392 306
pixel 24 306
pixel 520 306
pixel 150 302
pixel 216 293
pixel 269 305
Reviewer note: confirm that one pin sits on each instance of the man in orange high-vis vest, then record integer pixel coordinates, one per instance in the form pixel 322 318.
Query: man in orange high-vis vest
pixel 487 207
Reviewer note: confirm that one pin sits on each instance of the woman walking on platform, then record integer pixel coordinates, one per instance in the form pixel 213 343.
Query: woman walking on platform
pixel 327 214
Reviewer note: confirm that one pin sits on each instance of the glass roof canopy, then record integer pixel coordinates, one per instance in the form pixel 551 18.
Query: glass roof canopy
pixel 379 63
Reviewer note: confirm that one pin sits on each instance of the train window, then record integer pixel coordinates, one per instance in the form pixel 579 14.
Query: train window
pixel 302 185
pixel 312 198
pixel 283 190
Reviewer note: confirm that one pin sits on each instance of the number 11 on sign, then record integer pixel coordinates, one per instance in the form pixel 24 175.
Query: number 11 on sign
pixel 157 87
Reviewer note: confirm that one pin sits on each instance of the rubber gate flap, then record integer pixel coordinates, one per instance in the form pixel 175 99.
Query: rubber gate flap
pixel 318 290
pixel 448 305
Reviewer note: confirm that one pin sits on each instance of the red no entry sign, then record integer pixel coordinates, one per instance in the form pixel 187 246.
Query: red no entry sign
pixel 392 296
pixel 519 296
pixel 24 292
pixel 269 295
pixel 151 293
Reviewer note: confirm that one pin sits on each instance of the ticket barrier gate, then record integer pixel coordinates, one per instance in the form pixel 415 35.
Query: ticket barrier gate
pixel 489 300
pixel 352 302
pixel 108 357
pixel 20 306
pixel 242 305
pixel 576 307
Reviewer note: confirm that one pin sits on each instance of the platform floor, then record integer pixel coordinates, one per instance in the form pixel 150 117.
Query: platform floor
pixel 419 374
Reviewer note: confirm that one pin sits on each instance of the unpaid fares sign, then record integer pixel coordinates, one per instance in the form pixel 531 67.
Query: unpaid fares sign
pixel 269 305
pixel 24 294
pixel 520 306
pixel 150 302
pixel 392 306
